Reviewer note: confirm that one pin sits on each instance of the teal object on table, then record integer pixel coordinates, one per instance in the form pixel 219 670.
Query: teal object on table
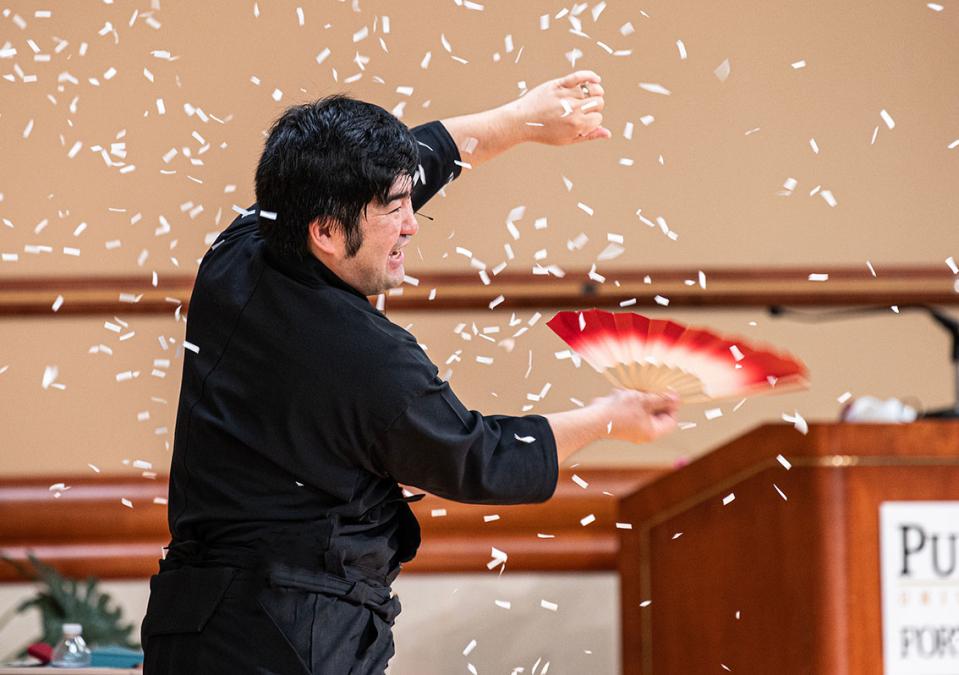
pixel 116 657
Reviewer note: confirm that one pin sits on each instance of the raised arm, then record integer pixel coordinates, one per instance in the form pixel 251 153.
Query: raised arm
pixel 557 112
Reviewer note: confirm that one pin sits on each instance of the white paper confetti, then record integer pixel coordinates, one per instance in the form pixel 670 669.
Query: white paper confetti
pixel 887 118
pixel 654 88
pixel 728 499
pixel 798 422
pixel 722 71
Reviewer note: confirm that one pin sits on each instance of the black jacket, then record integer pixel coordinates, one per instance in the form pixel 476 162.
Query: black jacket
pixel 304 407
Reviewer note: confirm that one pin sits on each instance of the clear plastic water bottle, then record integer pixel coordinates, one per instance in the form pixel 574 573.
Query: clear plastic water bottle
pixel 72 651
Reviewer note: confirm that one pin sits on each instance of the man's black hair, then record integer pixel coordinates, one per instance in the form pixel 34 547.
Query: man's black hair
pixel 328 159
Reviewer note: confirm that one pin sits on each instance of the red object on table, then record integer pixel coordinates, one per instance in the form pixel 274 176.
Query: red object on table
pixel 41 651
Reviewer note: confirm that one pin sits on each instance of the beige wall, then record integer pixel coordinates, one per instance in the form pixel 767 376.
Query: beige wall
pixel 717 189
pixel 95 419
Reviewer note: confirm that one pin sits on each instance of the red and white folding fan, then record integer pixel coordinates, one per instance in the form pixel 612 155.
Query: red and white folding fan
pixel 656 355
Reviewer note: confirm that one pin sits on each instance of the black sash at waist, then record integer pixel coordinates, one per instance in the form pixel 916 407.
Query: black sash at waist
pixel 257 572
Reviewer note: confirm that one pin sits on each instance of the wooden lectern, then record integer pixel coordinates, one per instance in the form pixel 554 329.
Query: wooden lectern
pixel 763 583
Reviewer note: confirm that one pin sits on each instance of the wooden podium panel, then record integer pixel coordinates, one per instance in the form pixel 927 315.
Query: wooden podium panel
pixel 764 584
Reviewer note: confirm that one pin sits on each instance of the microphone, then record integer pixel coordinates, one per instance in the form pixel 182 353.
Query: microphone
pixel 948 323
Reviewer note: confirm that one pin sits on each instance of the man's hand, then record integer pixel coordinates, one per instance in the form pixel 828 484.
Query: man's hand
pixel 557 112
pixel 636 417
pixel 560 112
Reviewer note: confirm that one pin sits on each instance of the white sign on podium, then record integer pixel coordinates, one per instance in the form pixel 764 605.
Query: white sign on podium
pixel 919 554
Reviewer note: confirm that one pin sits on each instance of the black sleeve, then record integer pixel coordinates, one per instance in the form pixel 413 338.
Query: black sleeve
pixel 438 445
pixel 438 153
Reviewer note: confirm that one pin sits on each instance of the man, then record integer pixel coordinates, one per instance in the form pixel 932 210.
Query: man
pixel 304 407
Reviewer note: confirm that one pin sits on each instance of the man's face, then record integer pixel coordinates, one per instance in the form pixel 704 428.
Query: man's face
pixel 386 230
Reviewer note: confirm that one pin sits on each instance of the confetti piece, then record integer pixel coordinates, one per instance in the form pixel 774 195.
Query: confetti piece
pixel 496 301
pixel 505 604
pixel 192 347
pixel 645 603
pixel 798 422
pixel 660 300
pixel 735 351
pixel 470 647
pixel 781 494
pixel 818 277
pixel 585 207
pixel 845 396
pixel 611 252
pixel 485 360
pixel 827 195
pixel 814 145
pixel 50 374
pixel 799 64
pixel 951 263
pixel 887 118
pixel 524 439
pixel 953 145
pixel 580 482
pixel 713 413
pixel 681 46
pixel 438 513
pixel 871 268
pixel 551 606
pixel 490 518
pixel 587 520
pixel 722 71
pixel 57 304
pixel 624 526
pixel 654 88
pixel 126 502
pixel 729 498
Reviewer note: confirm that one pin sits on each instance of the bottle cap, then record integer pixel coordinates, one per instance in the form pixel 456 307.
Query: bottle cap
pixel 72 628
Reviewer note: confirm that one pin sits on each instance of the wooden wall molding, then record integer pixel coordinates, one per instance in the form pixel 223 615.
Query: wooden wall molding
pixel 725 287
pixel 87 530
